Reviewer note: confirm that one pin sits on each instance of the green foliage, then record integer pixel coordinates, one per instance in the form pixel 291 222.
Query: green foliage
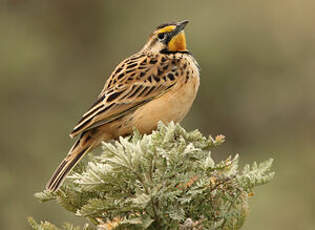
pixel 166 180
pixel 48 226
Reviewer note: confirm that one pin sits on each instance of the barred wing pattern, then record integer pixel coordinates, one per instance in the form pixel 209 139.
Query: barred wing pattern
pixel 136 81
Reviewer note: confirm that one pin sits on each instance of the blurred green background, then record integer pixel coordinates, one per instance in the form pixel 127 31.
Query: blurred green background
pixel 257 63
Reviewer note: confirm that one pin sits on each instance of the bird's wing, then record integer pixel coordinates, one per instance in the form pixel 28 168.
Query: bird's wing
pixel 136 81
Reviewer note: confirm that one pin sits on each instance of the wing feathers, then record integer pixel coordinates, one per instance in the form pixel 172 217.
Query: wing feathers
pixel 133 83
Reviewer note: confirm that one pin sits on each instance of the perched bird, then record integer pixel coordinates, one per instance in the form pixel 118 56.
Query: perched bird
pixel 158 83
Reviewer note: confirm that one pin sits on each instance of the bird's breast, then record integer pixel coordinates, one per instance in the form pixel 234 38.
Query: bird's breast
pixel 171 106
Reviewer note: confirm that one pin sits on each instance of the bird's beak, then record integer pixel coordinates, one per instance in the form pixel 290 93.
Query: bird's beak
pixel 177 38
pixel 180 26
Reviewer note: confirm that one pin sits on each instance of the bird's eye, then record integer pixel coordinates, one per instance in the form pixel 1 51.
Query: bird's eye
pixel 161 36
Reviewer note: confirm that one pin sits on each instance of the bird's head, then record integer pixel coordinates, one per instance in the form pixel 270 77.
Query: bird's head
pixel 167 38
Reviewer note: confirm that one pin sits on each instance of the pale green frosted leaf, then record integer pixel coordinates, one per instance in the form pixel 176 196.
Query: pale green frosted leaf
pixel 177 214
pixel 141 200
pixel 208 163
pixel 257 174
pixel 93 207
pixel 45 196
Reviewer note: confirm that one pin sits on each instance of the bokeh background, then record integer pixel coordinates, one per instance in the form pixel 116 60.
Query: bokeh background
pixel 257 88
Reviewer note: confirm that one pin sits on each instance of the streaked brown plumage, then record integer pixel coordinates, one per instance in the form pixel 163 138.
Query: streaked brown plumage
pixel 160 82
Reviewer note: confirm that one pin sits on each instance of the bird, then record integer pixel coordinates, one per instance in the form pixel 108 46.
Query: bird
pixel 158 83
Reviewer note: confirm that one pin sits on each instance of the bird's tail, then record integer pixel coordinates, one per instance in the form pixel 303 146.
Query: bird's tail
pixel 78 150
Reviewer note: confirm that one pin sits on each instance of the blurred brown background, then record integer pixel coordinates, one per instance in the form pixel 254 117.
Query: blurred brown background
pixel 257 63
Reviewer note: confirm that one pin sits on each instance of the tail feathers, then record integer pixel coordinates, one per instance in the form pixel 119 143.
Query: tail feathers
pixel 75 155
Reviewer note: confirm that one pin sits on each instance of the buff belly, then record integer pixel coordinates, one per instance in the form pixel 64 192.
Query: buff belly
pixel 172 106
